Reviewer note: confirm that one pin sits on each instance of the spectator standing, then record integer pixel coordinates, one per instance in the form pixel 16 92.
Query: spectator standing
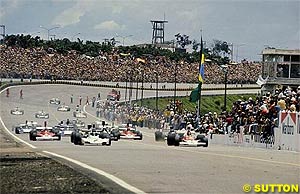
pixel 71 99
pixel 21 94
pixel 7 92
pixel 80 99
pixel 87 100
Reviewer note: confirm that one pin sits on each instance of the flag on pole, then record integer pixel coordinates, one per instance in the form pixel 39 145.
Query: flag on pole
pixel 194 96
pixel 201 65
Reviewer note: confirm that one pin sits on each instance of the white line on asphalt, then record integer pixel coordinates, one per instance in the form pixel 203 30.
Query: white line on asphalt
pixel 109 176
pixel 222 155
pixel 13 135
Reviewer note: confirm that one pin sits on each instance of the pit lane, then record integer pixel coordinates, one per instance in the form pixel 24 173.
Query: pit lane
pixel 147 165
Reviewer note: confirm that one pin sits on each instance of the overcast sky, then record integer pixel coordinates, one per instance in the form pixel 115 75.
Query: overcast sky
pixel 252 24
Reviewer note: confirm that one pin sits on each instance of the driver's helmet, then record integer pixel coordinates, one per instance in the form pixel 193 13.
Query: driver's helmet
pixel 189 133
pixel 127 127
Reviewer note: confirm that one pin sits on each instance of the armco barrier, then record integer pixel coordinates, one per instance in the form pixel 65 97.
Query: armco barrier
pixel 80 83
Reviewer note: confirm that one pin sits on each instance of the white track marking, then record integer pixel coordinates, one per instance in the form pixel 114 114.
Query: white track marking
pixel 109 176
pixel 13 135
pixel 220 155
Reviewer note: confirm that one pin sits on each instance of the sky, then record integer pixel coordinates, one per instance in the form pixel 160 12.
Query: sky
pixel 250 25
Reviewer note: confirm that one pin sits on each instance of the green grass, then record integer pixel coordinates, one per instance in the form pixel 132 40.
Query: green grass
pixel 208 103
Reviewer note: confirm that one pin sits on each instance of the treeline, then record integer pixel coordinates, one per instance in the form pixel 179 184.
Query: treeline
pixel 217 51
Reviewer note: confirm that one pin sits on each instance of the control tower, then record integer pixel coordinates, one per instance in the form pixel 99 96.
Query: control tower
pixel 158 31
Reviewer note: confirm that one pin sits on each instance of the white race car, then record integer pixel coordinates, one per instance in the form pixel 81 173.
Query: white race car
pixel 79 114
pixel 17 111
pixel 186 138
pixel 25 127
pixel 92 138
pixel 42 115
pixel 63 108
pixel 78 123
pixel 65 129
pixel 54 101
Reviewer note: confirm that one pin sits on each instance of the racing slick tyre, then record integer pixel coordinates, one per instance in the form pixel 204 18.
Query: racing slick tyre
pixel 72 137
pixel 32 136
pixel 159 136
pixel 206 143
pixel 109 143
pixel 202 138
pixel 171 139
pixel 140 135
pixel 177 140
pixel 77 139
pixel 17 131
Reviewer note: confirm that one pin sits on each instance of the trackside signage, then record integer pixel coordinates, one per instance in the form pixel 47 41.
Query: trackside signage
pixel 287 135
pixel 288 123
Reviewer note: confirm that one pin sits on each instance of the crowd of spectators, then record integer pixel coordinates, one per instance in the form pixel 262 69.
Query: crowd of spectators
pixel 256 116
pixel 37 63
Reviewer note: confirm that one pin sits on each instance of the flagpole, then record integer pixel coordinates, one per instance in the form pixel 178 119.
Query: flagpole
pixel 199 101
pixel 200 81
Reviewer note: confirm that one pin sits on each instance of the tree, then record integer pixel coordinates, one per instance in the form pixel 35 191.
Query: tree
pixel 182 40
pixel 196 45
pixel 220 48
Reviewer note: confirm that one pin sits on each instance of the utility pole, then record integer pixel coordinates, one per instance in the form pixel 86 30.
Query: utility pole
pixel 175 76
pixel 48 30
pixel 237 51
pixel 3 33
pixel 156 99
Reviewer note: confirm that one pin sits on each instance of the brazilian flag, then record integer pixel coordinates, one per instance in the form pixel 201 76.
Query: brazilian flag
pixel 194 96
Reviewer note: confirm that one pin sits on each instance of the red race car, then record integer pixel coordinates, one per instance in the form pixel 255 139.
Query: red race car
pixel 45 133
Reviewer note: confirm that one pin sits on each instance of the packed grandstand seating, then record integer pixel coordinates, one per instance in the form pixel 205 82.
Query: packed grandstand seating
pixel 37 63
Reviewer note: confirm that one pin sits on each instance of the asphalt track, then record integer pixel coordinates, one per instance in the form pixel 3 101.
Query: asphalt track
pixel 149 166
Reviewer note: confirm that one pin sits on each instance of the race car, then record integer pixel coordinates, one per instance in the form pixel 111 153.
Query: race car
pixel 78 123
pixel 129 132
pixel 44 133
pixel 17 111
pixel 104 127
pixel 54 101
pixel 113 95
pixel 65 129
pixel 186 138
pixel 63 108
pixel 25 127
pixel 92 138
pixel 42 115
pixel 79 114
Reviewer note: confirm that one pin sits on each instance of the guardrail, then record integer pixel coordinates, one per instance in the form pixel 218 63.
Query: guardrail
pixel 114 86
